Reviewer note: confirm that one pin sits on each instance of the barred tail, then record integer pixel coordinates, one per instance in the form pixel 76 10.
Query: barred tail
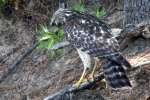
pixel 119 59
pixel 115 73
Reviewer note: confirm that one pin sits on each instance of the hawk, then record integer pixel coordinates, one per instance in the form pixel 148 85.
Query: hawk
pixel 93 38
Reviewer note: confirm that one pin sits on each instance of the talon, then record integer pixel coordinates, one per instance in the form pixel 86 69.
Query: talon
pixel 91 76
pixel 103 84
pixel 77 84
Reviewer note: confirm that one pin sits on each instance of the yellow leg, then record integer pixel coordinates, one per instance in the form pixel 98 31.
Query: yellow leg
pixel 86 59
pixel 94 69
pixel 91 76
pixel 81 78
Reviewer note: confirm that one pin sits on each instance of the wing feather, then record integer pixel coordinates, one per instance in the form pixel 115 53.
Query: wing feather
pixel 91 36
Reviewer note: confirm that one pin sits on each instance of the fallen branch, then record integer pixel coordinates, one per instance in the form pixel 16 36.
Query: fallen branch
pixel 65 92
pixel 59 45
pixel 141 64
pixel 13 67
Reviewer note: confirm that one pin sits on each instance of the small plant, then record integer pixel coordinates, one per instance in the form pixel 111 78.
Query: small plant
pixel 79 7
pixel 99 11
pixel 47 37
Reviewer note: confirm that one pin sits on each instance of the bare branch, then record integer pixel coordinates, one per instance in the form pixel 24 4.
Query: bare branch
pixel 141 64
pixel 59 45
pixel 72 89
pixel 13 67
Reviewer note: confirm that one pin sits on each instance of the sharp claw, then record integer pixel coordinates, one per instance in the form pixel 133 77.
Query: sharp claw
pixel 81 78
pixel 103 83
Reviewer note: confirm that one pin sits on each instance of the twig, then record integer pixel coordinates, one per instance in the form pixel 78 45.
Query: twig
pixel 141 64
pixel 59 45
pixel 7 87
pixel 13 67
pixel 72 89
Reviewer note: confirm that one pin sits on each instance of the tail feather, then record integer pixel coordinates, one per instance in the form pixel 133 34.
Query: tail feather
pixel 119 59
pixel 115 75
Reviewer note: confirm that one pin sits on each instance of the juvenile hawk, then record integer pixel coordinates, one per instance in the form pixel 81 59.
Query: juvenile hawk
pixel 92 38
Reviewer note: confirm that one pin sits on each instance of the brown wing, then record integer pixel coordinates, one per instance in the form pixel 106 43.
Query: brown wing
pixel 90 35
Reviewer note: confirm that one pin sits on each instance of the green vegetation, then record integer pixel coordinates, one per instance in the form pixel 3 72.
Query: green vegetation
pixel 2 2
pixel 47 37
pixel 79 7
pixel 99 11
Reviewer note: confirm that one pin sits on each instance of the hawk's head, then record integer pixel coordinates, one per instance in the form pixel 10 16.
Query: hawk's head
pixel 60 16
